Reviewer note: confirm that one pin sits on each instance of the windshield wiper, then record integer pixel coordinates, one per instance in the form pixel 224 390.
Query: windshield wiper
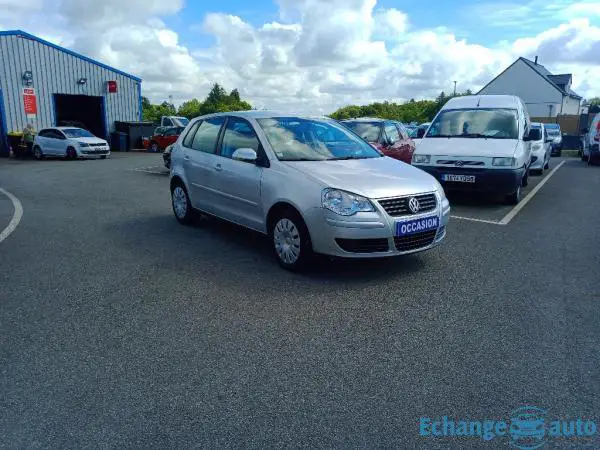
pixel 441 136
pixel 345 158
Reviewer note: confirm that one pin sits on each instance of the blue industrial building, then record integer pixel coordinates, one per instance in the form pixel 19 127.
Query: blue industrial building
pixel 69 88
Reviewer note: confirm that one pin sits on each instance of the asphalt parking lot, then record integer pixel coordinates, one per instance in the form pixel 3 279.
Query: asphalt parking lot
pixel 121 328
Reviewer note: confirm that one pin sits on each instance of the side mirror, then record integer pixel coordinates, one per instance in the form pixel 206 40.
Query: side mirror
pixel 245 155
pixel 420 133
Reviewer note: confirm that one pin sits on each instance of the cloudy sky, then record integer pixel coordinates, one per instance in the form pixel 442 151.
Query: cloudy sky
pixel 317 55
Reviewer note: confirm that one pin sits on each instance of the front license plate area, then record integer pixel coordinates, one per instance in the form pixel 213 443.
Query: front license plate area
pixel 408 227
pixel 459 178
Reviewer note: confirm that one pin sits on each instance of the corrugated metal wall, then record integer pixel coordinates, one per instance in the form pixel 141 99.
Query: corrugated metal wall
pixel 56 72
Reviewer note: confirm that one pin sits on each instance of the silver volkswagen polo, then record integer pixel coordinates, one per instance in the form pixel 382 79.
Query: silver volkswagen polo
pixel 309 183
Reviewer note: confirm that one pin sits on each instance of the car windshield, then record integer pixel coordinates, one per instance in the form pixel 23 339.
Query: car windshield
pixel 299 139
pixel 475 123
pixel 553 131
pixel 183 120
pixel 369 131
pixel 77 133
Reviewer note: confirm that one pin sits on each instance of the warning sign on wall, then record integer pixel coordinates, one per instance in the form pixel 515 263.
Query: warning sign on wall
pixel 30 102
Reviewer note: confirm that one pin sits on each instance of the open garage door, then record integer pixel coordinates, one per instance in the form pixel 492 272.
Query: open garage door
pixel 84 111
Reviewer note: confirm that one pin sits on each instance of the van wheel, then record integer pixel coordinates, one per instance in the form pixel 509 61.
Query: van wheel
pixel 291 241
pixel 547 165
pixel 515 197
pixel 525 180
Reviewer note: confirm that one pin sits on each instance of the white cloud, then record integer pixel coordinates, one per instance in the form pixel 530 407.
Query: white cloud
pixel 319 55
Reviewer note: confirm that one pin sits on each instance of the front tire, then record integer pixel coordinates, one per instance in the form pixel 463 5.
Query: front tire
pixel 71 154
pixel 515 197
pixel 182 207
pixel 37 153
pixel 291 241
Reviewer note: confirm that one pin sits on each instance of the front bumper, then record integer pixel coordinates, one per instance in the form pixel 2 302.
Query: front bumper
pixel 90 152
pixel 496 181
pixel 371 235
pixel 539 158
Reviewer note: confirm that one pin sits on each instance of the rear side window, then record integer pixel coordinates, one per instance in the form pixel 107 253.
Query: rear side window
pixel 187 141
pixel 238 134
pixel 205 139
pixel 43 133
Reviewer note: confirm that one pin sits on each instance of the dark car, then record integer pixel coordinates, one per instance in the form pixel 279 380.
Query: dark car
pixel 167 156
pixel 387 136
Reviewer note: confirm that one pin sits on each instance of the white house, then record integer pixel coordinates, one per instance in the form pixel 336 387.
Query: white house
pixel 545 94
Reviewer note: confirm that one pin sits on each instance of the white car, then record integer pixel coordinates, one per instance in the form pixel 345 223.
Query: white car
pixel 591 142
pixel 69 143
pixel 541 148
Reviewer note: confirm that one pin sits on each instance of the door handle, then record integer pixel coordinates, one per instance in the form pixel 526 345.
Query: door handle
pixel 218 168
pixel 186 157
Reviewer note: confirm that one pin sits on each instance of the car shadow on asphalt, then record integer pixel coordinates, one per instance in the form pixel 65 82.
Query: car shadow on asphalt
pixel 215 242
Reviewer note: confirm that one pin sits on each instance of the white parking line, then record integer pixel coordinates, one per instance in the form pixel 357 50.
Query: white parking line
pixel 472 219
pixel 513 212
pixel 511 215
pixel 16 218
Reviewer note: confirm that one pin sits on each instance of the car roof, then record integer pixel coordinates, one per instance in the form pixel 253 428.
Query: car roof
pixel 65 128
pixel 483 101
pixel 264 114
pixel 367 119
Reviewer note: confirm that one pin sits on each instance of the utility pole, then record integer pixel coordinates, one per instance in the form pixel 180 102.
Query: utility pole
pixel 455 88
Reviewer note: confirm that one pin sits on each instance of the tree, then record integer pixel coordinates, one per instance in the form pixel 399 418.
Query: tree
pixel 190 109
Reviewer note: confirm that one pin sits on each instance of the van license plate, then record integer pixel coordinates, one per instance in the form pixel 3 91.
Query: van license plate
pixel 417 226
pixel 459 178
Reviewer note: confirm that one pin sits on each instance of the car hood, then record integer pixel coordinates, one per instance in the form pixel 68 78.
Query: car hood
pixel 467 147
pixel 372 177
pixel 89 140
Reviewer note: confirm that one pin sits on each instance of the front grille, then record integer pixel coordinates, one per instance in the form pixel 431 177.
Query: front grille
pixel 458 162
pixel 396 207
pixel 363 245
pixel 415 241
pixel 97 145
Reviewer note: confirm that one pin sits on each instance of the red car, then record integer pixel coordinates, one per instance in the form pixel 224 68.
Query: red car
pixel 162 138
pixel 388 136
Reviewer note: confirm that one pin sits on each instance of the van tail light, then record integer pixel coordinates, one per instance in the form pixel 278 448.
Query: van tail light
pixel 597 137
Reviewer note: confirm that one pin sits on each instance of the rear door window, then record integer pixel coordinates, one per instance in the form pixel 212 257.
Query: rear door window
pixel 187 141
pixel 392 133
pixel 205 139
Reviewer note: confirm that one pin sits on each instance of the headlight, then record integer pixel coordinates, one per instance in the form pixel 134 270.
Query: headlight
pixel 440 188
pixel 504 162
pixel 84 144
pixel 421 159
pixel 344 203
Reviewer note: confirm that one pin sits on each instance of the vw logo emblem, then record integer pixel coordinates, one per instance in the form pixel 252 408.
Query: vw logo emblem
pixel 459 163
pixel 414 206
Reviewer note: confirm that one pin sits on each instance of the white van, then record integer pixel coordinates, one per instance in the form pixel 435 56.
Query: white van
pixel 479 143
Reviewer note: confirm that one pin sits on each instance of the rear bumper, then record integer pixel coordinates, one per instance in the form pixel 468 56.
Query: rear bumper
pixel 496 181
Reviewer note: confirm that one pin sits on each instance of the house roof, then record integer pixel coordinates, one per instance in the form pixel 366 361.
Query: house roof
pixel 67 51
pixel 555 80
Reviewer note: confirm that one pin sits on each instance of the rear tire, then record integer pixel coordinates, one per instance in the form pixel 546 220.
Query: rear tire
pixel 515 197
pixel 154 148
pixel 37 153
pixel 182 207
pixel 291 241
pixel 547 165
